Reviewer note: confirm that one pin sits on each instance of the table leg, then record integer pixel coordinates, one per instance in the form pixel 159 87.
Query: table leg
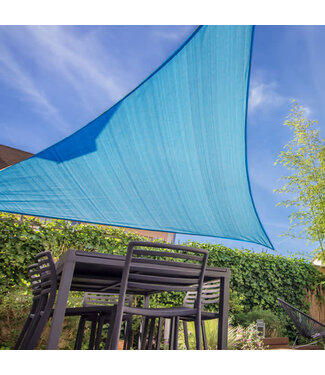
pixel 223 314
pixel 60 306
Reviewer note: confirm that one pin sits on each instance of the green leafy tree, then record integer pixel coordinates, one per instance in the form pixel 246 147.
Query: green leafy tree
pixel 304 157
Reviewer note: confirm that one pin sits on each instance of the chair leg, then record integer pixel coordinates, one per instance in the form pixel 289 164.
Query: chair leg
pixel 80 333
pixel 23 332
pixel 92 334
pixel 144 334
pixel 140 333
pixel 160 322
pixel 176 324
pixel 99 331
pixel 130 335
pixel 33 333
pixel 32 330
pixel 294 344
pixel 172 333
pixel 198 332
pixel 129 332
pixel 204 336
pixel 186 335
pixel 110 331
pixel 151 331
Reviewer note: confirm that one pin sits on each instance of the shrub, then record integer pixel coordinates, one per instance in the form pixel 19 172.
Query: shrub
pixel 272 322
pixel 14 309
pixel 248 339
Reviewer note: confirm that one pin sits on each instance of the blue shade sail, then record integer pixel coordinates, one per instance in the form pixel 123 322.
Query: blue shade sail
pixel 170 156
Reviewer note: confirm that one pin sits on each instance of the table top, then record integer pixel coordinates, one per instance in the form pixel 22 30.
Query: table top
pixel 98 272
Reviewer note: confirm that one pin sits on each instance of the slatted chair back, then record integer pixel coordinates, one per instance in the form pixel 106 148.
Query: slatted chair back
pixel 210 294
pixel 164 260
pixel 35 280
pixel 45 281
pixel 305 324
pixel 104 299
pixel 44 289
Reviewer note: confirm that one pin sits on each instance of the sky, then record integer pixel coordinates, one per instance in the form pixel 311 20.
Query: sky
pixel 56 79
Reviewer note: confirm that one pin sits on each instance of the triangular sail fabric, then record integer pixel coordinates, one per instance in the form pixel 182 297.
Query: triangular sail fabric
pixel 170 156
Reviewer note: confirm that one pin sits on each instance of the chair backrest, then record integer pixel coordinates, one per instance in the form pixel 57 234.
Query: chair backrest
pixel 164 260
pixel 43 275
pixel 210 294
pixel 305 324
pixel 104 299
pixel 47 272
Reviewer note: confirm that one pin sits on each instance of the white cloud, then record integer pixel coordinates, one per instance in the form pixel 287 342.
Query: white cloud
pixel 80 59
pixel 77 63
pixel 74 58
pixel 45 64
pixel 18 78
pixel 264 95
pixel 172 34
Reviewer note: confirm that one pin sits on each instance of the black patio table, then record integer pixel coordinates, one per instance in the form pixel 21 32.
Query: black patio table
pixel 97 272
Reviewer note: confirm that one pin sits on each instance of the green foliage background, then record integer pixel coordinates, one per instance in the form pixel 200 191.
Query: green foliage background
pixel 257 279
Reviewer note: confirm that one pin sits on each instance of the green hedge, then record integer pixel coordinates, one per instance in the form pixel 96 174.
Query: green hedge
pixel 21 238
pixel 257 279
pixel 263 277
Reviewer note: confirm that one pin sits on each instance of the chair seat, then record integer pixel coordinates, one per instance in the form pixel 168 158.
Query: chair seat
pixel 205 315
pixel 88 310
pixel 305 324
pixel 91 312
pixel 160 312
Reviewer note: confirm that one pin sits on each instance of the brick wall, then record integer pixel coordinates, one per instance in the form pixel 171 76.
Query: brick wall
pixel 153 235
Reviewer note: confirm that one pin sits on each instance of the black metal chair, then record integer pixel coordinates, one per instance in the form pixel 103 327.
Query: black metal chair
pixel 101 300
pixel 44 285
pixel 306 325
pixel 210 295
pixel 135 277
